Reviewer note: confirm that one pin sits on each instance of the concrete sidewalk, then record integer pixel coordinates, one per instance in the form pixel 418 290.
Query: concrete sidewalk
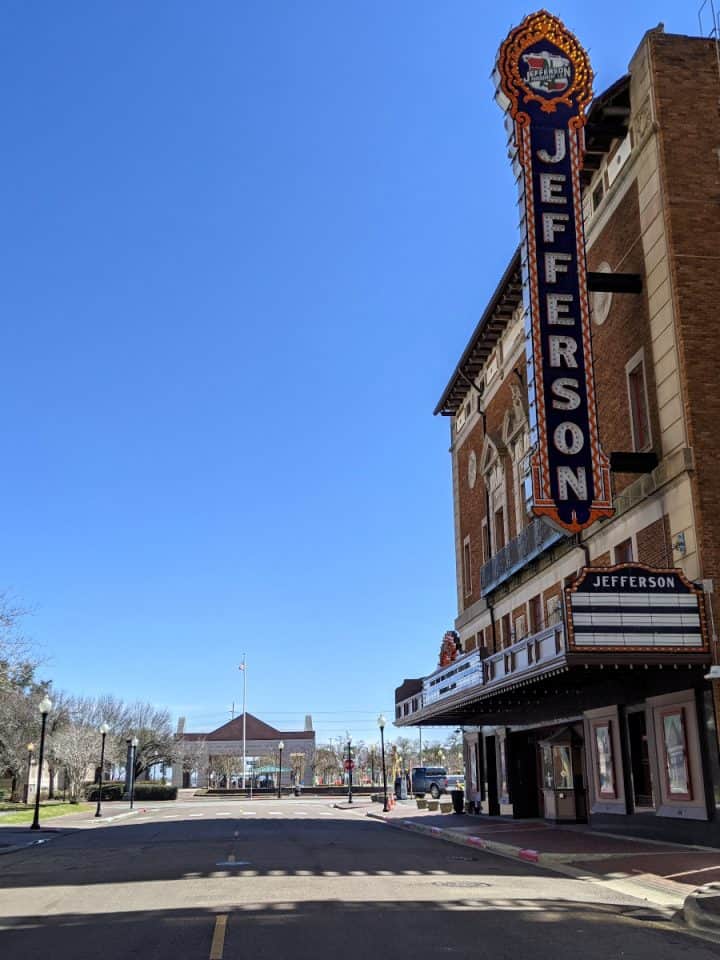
pixel 670 875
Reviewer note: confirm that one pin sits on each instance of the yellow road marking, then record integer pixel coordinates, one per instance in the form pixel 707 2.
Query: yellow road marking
pixel 218 941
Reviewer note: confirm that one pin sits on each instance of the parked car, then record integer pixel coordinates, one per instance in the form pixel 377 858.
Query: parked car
pixel 432 780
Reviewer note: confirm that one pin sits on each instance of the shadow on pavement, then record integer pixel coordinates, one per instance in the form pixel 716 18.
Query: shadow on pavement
pixel 303 931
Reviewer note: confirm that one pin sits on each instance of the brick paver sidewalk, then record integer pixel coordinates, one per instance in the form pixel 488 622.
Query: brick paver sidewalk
pixel 673 869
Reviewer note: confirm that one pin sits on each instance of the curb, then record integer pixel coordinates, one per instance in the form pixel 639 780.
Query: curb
pixel 118 816
pixel 696 915
pixel 477 843
pixel 696 919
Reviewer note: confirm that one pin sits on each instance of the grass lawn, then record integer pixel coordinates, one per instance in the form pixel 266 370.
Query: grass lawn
pixel 47 812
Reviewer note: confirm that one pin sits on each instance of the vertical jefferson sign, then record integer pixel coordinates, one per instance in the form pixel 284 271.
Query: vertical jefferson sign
pixel 544 84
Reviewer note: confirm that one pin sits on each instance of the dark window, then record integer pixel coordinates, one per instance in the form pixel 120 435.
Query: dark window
pixel 638 407
pixel 598 194
pixel 506 637
pixel 640 760
pixel 536 614
pixel 485 542
pixel 499 529
pixel 467 570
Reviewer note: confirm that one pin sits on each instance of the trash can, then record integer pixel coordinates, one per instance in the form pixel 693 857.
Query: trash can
pixel 458 801
pixel 297 789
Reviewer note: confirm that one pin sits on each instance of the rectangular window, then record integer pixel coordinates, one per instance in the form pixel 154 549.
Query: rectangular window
pixel 467 569
pixel 485 542
pixel 499 529
pixel 506 631
pixel 520 627
pixel 553 605
pixel 640 769
pixel 598 194
pixel 605 766
pixel 676 755
pixel 637 395
pixel 536 614
pixel 624 552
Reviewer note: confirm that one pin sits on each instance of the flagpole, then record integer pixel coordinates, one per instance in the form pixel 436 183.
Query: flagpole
pixel 244 673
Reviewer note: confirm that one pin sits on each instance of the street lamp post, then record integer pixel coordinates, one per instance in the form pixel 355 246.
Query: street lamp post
pixel 281 747
pixel 349 766
pixel 45 706
pixel 381 724
pixel 134 744
pixel 104 732
pixel 30 748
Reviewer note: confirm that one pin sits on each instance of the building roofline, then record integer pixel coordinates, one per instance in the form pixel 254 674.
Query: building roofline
pixel 503 302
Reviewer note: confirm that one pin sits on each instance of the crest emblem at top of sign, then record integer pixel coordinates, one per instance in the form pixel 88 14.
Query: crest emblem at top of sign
pixel 541 62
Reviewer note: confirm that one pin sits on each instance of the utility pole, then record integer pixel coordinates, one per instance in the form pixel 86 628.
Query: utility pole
pixel 243 667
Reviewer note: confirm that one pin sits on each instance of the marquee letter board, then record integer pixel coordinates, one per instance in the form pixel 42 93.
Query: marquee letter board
pixel 634 607
pixel 544 83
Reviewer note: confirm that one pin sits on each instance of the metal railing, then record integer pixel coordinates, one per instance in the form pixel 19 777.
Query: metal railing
pixel 528 654
pixel 535 539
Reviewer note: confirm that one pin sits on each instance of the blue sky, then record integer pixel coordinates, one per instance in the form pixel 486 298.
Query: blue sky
pixel 243 247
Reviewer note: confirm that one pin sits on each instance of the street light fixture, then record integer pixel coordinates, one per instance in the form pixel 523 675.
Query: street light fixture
pixel 349 766
pixel 134 744
pixel 281 747
pixel 381 723
pixel 104 732
pixel 30 748
pixel 45 706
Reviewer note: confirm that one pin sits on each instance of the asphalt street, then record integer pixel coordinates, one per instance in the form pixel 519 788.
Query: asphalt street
pixel 296 878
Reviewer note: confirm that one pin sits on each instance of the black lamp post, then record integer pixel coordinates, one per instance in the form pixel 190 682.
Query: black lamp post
pixel 134 745
pixel 104 732
pixel 45 706
pixel 30 748
pixel 349 767
pixel 381 724
pixel 281 747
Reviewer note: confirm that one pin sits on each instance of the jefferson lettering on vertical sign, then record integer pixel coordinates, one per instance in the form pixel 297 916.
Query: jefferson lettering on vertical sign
pixel 544 84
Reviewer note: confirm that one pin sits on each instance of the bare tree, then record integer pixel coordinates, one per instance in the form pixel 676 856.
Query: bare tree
pixel 327 763
pixel 190 755
pixel 20 693
pixel 297 766
pixel 225 766
pixel 154 731
pixel 76 747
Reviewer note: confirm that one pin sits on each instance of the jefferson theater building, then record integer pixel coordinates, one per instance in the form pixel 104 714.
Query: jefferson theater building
pixel 582 663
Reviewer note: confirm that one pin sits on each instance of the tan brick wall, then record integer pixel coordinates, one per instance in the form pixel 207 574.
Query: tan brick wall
pixel 685 72
pixel 625 331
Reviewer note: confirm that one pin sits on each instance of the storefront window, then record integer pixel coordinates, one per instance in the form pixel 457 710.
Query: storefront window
pixel 548 779
pixel 603 746
pixel 562 768
pixel 676 761
pixel 503 769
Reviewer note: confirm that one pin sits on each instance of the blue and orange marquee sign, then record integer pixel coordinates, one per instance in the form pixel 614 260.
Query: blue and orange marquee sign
pixel 544 84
